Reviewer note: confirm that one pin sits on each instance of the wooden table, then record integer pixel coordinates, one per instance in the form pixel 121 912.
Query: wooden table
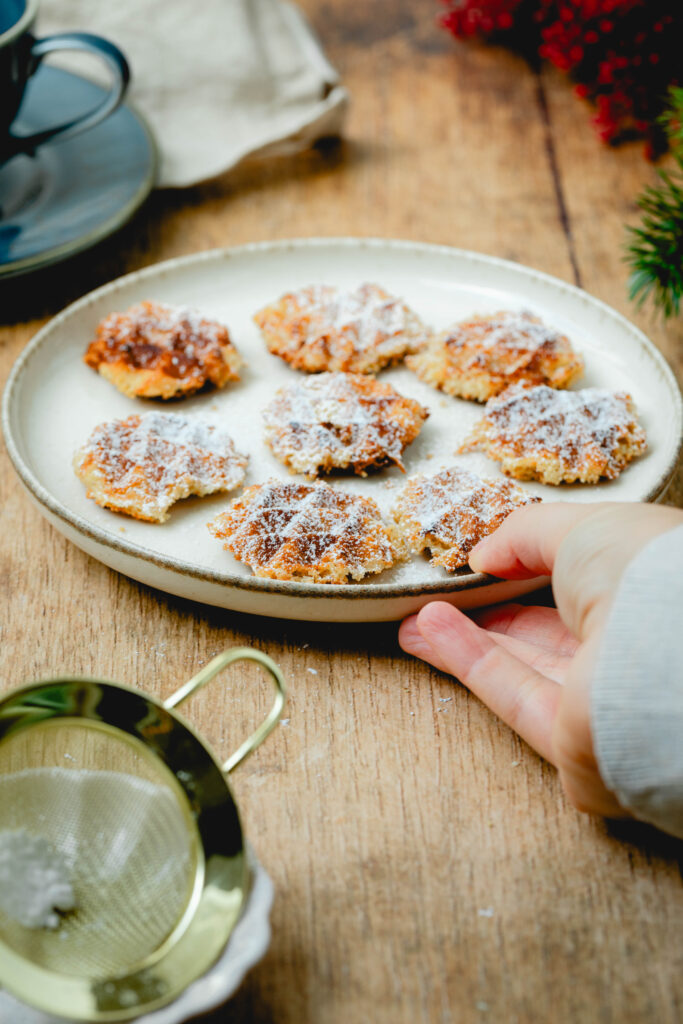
pixel 426 864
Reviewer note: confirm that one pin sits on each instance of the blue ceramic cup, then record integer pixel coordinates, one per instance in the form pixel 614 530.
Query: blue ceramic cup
pixel 20 56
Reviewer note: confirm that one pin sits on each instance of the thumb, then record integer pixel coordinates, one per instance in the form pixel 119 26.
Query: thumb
pixel 526 544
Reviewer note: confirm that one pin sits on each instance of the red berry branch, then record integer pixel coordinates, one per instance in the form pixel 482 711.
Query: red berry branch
pixel 623 55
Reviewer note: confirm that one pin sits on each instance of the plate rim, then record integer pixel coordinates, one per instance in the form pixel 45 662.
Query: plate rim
pixel 58 253
pixel 290 588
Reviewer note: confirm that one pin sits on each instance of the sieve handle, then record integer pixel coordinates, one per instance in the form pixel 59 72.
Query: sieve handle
pixel 217 665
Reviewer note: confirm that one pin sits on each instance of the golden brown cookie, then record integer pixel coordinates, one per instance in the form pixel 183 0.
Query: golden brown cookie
pixel 559 436
pixel 341 421
pixel 452 511
pixel 313 532
pixel 157 351
pixel 483 355
pixel 326 328
pixel 143 464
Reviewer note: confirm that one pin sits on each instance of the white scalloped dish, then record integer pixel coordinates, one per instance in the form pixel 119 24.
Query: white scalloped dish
pixel 53 401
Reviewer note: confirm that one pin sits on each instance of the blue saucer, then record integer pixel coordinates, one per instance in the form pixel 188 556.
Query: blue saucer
pixel 70 194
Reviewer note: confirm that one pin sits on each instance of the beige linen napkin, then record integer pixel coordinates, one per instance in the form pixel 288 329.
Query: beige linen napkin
pixel 217 80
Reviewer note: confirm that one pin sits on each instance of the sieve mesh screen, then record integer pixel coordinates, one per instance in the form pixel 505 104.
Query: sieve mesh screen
pixel 121 826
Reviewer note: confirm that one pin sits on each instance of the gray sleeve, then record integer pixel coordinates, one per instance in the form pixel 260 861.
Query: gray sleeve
pixel 637 694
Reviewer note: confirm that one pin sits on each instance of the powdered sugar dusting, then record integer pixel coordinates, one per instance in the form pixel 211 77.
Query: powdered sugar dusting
pixel 290 531
pixel 574 427
pixel 322 327
pixel 452 511
pixel 368 313
pixel 168 326
pixel 145 463
pixel 336 420
pixel 154 350
pixel 35 883
pixel 518 334
pixel 481 356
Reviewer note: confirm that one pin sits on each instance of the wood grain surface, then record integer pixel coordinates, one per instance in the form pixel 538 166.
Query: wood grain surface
pixel 426 864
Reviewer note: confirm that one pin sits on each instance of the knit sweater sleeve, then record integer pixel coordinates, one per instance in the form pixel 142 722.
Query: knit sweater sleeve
pixel 637 694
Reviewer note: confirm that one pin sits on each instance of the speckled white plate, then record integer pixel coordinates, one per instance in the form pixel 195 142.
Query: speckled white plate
pixel 52 402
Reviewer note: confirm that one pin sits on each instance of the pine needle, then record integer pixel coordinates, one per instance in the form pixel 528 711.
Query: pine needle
pixel 655 249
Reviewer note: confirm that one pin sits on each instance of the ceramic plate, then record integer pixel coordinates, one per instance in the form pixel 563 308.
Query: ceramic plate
pixel 73 192
pixel 53 401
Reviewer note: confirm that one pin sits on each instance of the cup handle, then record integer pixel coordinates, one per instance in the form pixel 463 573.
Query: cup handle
pixel 217 665
pixel 112 57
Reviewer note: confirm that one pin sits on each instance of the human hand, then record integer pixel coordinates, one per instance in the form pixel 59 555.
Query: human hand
pixel 534 666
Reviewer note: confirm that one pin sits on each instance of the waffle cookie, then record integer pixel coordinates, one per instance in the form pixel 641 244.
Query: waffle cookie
pixel 482 356
pixel 312 532
pixel 157 351
pixel 325 328
pixel 559 436
pixel 143 464
pixel 341 421
pixel 449 513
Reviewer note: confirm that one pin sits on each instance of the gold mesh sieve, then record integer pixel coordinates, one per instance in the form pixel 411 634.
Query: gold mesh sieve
pixel 135 810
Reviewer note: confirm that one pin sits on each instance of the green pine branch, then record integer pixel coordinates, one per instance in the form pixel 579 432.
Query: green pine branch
pixel 672 118
pixel 655 248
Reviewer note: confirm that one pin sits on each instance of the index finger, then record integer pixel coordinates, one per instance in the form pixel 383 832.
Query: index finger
pixel 525 699
pixel 526 544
